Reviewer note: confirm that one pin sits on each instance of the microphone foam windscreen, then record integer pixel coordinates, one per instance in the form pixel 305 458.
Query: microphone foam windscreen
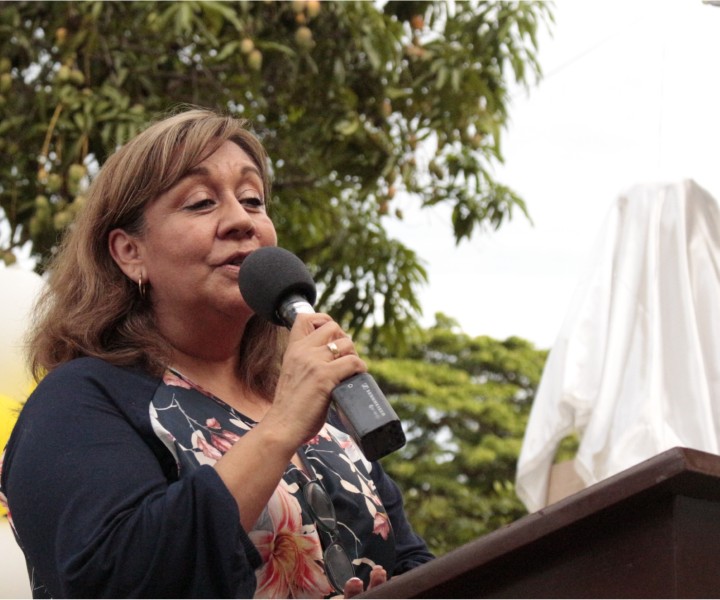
pixel 271 274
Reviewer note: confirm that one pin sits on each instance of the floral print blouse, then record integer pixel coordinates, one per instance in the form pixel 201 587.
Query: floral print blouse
pixel 199 428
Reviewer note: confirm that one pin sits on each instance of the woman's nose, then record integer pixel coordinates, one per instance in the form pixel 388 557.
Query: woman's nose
pixel 235 219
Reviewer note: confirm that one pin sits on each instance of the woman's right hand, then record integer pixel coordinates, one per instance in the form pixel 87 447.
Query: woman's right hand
pixel 310 371
pixel 252 468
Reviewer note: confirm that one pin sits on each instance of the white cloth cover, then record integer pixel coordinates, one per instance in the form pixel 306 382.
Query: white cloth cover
pixel 635 369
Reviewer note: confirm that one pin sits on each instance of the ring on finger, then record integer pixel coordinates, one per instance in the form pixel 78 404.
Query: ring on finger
pixel 332 346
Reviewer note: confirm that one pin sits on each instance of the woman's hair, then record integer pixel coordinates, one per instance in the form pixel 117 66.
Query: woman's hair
pixel 89 306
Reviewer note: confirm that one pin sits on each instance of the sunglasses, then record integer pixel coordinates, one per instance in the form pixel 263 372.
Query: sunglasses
pixel 338 566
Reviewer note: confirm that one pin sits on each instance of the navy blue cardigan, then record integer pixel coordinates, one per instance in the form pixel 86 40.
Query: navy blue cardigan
pixel 99 507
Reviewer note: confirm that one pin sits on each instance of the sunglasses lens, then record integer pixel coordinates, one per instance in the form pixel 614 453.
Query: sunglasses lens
pixel 338 566
pixel 321 506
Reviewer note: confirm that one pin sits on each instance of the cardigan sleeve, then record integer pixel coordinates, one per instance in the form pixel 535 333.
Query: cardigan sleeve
pixel 97 511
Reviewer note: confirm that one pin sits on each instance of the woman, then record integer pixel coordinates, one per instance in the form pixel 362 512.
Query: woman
pixel 178 446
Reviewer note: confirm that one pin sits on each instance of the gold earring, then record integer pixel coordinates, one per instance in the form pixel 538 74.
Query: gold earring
pixel 141 287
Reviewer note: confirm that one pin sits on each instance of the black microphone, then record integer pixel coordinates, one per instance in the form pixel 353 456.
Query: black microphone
pixel 277 285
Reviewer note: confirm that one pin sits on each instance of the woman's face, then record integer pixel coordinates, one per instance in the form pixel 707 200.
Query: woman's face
pixel 197 233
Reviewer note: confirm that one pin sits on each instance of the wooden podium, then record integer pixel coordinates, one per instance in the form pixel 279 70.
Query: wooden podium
pixel 652 531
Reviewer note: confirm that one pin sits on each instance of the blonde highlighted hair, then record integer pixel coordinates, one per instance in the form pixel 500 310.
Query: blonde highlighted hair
pixel 89 307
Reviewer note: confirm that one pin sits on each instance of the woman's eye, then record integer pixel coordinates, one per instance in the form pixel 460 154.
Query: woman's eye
pixel 200 204
pixel 254 203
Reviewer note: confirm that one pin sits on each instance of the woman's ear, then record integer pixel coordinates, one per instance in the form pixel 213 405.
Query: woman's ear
pixel 125 250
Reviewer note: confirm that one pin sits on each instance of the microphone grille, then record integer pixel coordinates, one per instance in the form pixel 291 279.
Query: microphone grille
pixel 269 275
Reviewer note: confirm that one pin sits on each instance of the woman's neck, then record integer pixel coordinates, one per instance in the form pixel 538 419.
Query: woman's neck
pixel 206 338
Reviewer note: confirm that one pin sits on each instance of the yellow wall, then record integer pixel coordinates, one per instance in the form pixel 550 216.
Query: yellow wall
pixel 8 415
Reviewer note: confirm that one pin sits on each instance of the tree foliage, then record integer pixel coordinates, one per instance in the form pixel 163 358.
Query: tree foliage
pixel 464 403
pixel 355 101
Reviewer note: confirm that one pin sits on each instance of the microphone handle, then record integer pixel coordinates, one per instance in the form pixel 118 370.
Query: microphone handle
pixel 358 401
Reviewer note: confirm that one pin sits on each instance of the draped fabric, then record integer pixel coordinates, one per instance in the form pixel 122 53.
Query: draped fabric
pixel 635 369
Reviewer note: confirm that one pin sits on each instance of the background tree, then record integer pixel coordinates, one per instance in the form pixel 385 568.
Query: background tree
pixel 464 403
pixel 355 101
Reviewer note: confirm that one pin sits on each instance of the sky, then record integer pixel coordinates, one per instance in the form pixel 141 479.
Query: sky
pixel 630 95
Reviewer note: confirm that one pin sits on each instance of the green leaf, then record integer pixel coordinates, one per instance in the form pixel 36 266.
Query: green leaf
pixel 336 145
